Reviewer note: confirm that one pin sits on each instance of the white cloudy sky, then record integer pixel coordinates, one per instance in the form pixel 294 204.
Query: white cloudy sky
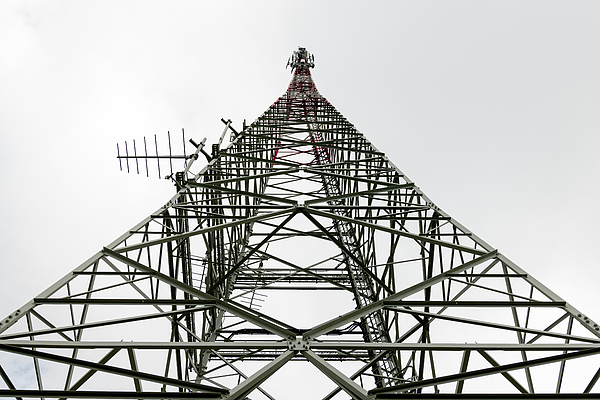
pixel 492 108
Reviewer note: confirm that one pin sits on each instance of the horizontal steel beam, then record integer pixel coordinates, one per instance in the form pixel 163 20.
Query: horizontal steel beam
pixel 454 346
pixel 389 188
pixel 435 303
pixel 488 396
pixel 126 301
pixel 242 193
pixel 98 394
pixel 346 345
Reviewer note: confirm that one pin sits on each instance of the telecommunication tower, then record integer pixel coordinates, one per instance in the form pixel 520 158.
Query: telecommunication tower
pixel 204 297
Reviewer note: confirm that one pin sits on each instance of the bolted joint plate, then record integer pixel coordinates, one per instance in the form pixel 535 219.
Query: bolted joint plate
pixel 298 344
pixel 587 321
pixel 8 321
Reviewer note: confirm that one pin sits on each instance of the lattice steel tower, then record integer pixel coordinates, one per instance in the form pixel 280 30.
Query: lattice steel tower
pixel 207 297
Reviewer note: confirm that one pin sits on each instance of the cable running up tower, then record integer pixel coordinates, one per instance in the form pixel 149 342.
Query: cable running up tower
pixel 204 298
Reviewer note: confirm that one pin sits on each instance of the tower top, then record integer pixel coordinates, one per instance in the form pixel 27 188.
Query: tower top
pixel 301 59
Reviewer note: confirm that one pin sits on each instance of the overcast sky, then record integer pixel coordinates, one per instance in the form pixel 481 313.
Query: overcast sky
pixel 492 108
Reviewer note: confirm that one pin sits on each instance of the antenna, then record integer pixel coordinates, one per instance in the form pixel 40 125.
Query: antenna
pixel 301 59
pixel 174 154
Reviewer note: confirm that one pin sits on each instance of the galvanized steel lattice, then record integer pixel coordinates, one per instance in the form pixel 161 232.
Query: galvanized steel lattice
pixel 192 302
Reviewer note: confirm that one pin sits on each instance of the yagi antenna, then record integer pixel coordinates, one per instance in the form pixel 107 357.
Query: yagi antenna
pixel 175 153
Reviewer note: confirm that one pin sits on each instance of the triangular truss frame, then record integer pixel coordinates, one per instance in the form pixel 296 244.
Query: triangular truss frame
pixel 299 201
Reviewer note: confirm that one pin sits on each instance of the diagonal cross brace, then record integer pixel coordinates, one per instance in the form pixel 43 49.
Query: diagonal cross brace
pixel 345 383
pixel 228 306
pixel 414 236
pixel 109 369
pixel 353 315
pixel 247 386
pixel 484 372
pixel 201 231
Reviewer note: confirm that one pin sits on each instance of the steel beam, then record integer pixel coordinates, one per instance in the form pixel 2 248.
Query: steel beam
pixel 250 384
pixel 485 372
pixel 345 383
pixel 110 369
